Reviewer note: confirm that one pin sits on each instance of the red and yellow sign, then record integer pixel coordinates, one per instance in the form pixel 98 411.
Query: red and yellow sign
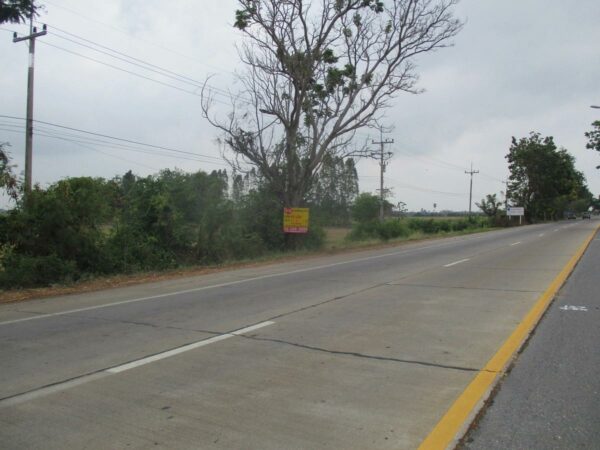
pixel 295 220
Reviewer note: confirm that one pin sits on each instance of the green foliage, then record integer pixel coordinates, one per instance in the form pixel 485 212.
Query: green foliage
pixel 365 208
pixel 388 229
pixel 543 178
pixel 17 11
pixel 8 180
pixel 26 270
pixel 62 223
pixel 434 226
pixel 402 228
pixel 593 137
pixel 490 205
pixel 81 227
pixel 375 5
pixel 334 191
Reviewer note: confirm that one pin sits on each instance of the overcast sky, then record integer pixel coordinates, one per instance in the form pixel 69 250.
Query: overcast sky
pixel 516 67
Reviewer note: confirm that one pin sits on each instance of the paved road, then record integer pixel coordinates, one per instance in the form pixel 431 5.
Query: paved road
pixel 361 350
pixel 551 398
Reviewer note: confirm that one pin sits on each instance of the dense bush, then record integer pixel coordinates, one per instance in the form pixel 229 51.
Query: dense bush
pixel 398 228
pixel 82 227
pixel 389 229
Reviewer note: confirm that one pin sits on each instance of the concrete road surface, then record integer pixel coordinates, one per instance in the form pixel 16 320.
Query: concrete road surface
pixel 551 398
pixel 354 351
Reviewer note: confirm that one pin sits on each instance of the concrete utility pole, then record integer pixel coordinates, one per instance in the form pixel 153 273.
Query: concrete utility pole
pixel 506 195
pixel 471 172
pixel 33 34
pixel 383 157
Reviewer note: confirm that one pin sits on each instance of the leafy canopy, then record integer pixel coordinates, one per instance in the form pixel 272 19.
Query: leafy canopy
pixel 543 178
pixel 593 137
pixel 17 11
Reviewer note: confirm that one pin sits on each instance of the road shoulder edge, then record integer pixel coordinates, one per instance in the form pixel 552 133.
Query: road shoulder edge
pixel 456 421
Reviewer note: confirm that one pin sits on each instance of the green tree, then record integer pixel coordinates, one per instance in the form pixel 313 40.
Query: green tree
pixel 366 208
pixel 543 178
pixel 334 190
pixel 317 74
pixel 9 182
pixel 169 219
pixel 490 205
pixel 593 137
pixel 57 233
pixel 17 11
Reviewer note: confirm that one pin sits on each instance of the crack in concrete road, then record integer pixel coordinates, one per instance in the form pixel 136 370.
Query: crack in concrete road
pixel 362 355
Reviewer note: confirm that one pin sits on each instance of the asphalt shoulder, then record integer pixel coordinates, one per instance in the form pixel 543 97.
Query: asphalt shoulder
pixel 550 398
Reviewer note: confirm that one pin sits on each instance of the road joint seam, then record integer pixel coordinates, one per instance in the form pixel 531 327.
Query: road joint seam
pixel 113 370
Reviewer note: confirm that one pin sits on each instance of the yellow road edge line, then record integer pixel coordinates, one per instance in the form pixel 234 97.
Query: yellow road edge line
pixel 454 424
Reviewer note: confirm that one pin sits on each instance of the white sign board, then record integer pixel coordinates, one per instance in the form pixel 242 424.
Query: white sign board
pixel 515 211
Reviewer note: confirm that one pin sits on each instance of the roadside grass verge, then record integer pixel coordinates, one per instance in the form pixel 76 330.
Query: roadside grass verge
pixel 337 241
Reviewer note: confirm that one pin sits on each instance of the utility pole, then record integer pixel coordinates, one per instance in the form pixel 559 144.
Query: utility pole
pixel 506 195
pixel 471 172
pixel 33 34
pixel 383 157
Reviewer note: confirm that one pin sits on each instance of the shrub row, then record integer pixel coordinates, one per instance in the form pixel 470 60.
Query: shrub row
pixel 400 228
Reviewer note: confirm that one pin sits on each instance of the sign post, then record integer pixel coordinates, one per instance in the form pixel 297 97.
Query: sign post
pixel 295 220
pixel 516 211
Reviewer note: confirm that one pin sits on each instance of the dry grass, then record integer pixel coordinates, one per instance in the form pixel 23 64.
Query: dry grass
pixel 336 237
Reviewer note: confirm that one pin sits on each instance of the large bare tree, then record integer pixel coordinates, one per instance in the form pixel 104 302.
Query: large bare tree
pixel 317 71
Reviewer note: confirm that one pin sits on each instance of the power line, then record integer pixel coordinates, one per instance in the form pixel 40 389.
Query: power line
pixel 86 144
pixel 132 61
pixel 125 70
pixel 154 66
pixel 118 147
pixel 162 83
pixel 154 44
pixel 141 64
pixel 137 62
pixel 405 185
pixel 137 163
pixel 130 141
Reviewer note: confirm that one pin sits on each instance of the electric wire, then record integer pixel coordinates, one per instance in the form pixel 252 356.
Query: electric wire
pixel 136 61
pixel 87 145
pixel 129 35
pixel 130 141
